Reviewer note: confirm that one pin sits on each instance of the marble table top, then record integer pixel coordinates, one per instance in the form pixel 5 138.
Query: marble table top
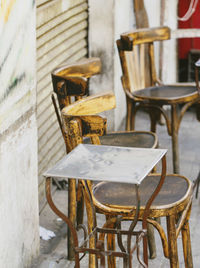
pixel 107 163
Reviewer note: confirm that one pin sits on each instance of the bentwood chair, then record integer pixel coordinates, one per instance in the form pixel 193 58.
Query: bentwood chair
pixel 173 201
pixel 70 83
pixel 135 48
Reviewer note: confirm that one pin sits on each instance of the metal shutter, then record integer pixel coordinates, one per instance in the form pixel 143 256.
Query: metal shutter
pixel 61 36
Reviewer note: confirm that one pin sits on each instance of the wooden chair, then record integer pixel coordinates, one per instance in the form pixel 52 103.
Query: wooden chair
pixel 70 83
pixel 173 201
pixel 135 47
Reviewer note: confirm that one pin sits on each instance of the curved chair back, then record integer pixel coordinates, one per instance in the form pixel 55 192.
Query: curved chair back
pixel 80 119
pixel 136 51
pixel 71 80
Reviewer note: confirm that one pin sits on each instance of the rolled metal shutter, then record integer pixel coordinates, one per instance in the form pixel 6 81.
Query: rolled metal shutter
pixel 61 37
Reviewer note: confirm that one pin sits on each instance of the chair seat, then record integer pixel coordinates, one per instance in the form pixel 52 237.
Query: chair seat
pixel 167 94
pixel 176 189
pixel 129 139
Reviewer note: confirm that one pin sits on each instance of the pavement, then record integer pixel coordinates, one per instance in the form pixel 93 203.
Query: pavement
pixel 53 252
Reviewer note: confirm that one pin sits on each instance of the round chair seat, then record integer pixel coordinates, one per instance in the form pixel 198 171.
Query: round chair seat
pixel 175 190
pixel 142 139
pixel 167 93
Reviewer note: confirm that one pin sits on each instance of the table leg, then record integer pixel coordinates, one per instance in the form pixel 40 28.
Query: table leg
pixel 146 212
pixel 74 237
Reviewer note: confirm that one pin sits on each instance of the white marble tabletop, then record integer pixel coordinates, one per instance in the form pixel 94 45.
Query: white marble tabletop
pixel 107 163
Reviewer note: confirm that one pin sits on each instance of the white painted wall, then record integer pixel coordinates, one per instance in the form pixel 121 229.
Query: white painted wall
pixel 169 67
pixel 169 63
pixel 19 238
pixel 124 21
pixel 101 37
pixel 153 11
pixel 19 224
pixel 107 19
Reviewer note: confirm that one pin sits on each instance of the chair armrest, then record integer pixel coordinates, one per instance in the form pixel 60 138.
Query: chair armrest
pixel 197 67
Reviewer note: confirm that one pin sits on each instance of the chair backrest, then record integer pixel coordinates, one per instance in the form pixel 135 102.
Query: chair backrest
pixel 80 119
pixel 135 48
pixel 71 80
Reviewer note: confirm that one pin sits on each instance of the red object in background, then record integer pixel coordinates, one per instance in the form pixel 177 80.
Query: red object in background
pixel 185 44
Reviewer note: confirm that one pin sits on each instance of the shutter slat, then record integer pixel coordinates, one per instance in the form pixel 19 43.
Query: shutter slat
pixel 46 138
pixel 47 151
pixel 56 21
pixel 72 58
pixel 59 151
pixel 51 9
pixel 46 120
pixel 60 58
pixel 42 2
pixel 46 157
pixel 61 37
pixel 63 31
pixel 55 52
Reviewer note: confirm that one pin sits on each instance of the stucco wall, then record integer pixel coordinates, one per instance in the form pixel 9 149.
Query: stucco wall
pixel 124 21
pixel 19 235
pixel 169 66
pixel 164 13
pixel 101 34
pixel 107 19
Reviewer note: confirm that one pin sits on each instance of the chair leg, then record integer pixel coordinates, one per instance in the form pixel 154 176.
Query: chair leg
pixel 111 246
pixel 129 114
pixel 172 241
pixel 133 115
pixel 175 153
pixel 151 241
pixel 174 129
pixel 197 185
pixel 198 111
pixel 153 118
pixel 187 250
pixel 80 204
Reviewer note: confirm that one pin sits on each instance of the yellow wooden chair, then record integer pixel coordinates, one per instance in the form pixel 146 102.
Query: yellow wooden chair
pixel 70 83
pixel 135 48
pixel 173 201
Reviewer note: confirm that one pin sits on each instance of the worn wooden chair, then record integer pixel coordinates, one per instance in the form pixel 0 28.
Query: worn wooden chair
pixel 173 201
pixel 134 47
pixel 70 83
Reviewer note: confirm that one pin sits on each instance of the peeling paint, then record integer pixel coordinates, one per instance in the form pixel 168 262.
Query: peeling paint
pixel 17 58
pixel 5 8
pixel 16 81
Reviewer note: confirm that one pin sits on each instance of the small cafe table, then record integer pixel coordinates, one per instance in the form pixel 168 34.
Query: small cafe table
pixel 112 164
